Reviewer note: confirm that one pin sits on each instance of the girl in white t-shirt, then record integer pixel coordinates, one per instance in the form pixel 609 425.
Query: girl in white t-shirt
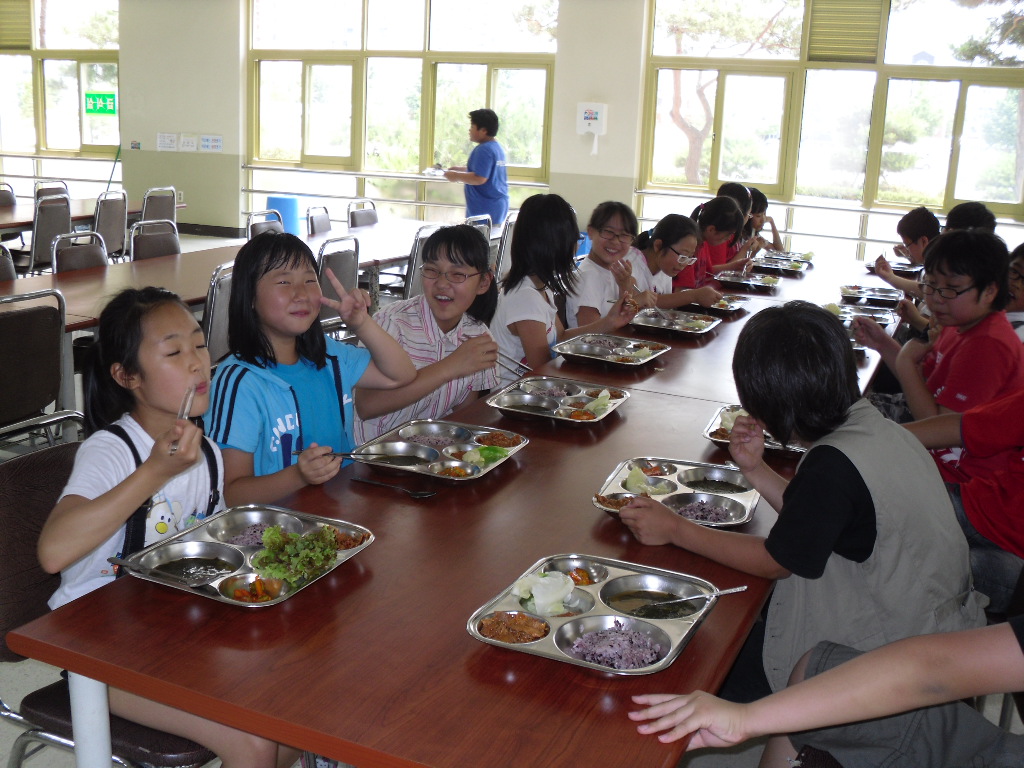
pixel 526 322
pixel 662 253
pixel 604 276
pixel 149 353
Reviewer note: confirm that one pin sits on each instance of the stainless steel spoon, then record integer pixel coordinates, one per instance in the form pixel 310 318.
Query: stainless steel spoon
pixel 650 610
pixel 414 494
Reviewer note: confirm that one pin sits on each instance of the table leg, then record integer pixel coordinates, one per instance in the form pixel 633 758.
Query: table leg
pixel 373 281
pixel 90 721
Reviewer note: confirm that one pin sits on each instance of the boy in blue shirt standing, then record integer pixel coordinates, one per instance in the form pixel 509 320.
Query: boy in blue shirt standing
pixel 484 174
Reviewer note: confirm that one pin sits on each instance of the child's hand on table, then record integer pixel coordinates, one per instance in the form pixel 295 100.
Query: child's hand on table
pixel 651 522
pixel 706 296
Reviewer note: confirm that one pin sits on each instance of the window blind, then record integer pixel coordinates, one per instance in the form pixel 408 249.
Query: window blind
pixel 15 25
pixel 845 30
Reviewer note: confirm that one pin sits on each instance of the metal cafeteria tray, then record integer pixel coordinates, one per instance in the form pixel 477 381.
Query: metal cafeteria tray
pixel 790 255
pixel 675 320
pixel 549 397
pixel 849 311
pixel 780 265
pixel 748 280
pixel 432 447
pixel 612 578
pixel 900 268
pixel 723 440
pixel 604 348
pixel 208 541
pixel 728 304
pixel 673 487
pixel 880 297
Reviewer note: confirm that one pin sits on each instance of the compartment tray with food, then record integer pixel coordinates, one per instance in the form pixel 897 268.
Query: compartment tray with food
pixel 217 558
pixel 726 305
pixel 676 321
pixel 789 255
pixel 880 297
pixel 604 348
pixel 600 627
pixel 551 397
pixel 439 448
pixel 849 311
pixel 718 433
pixel 716 495
pixel 748 280
pixel 781 266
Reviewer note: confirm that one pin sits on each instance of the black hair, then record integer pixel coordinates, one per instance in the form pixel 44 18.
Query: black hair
pixel 758 204
pixel 608 210
pixel 740 194
pixel 795 370
pixel 722 213
pixel 971 216
pixel 974 253
pixel 544 244
pixel 669 230
pixel 485 120
pixel 918 223
pixel 466 245
pixel 1017 253
pixel 263 253
pixel 117 341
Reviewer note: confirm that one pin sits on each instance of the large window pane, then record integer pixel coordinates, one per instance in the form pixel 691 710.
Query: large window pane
pixel 683 122
pixel 307 24
pixel 916 141
pixel 460 89
pixel 752 115
pixel 749 29
pixel 99 82
pixel 330 111
pixel 512 26
pixel 393 114
pixel 519 102
pixel 280 125
pixel 61 100
pixel 17 127
pixel 834 134
pixel 75 24
pixel 991 165
pixel 956 32
pixel 394 25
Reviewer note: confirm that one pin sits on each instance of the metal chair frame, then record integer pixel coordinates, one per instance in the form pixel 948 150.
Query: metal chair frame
pixel 155 206
pixel 94 251
pixel 355 213
pixel 166 229
pixel 7 199
pixel 215 312
pixel 111 221
pixel 413 278
pixel 42 239
pixel 318 220
pixel 51 187
pixel 501 261
pixel 254 226
pixel 344 263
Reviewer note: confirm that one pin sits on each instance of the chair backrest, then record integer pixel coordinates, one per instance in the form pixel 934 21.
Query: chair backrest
pixel 49 187
pixel 52 218
pixel 502 263
pixel 341 256
pixel 318 220
pixel 413 278
pixel 362 212
pixel 7 271
pixel 29 488
pixel 111 220
pixel 69 253
pixel 30 382
pixel 7 196
pixel 159 204
pixel 481 222
pixel 215 313
pixel 263 221
pixel 150 239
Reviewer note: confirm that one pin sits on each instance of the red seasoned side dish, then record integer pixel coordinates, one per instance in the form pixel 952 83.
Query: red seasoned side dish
pixel 513 628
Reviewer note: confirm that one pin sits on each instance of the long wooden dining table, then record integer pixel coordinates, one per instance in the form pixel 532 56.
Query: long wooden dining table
pixel 20 217
pixel 373 664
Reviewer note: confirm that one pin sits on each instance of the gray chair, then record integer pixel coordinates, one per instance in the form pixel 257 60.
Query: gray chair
pixel 150 239
pixel 215 312
pixel 52 218
pixel 341 256
pixel 110 220
pixel 68 252
pixel 160 204
pixel 8 200
pixel 29 488
pixel 481 222
pixel 413 278
pixel 30 383
pixel 502 264
pixel 49 187
pixel 362 212
pixel 7 271
pixel 263 221
pixel 318 220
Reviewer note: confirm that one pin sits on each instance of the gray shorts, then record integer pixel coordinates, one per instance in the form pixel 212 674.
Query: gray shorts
pixel 947 736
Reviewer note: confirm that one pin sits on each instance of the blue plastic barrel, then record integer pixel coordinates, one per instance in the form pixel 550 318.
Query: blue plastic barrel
pixel 288 207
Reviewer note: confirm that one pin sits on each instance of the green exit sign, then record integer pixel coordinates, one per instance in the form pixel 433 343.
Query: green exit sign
pixel 101 103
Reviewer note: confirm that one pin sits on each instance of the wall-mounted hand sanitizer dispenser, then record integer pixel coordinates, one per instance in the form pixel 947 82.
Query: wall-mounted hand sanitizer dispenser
pixel 592 118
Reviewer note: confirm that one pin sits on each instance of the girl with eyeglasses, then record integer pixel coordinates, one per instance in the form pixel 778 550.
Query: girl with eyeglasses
pixel 663 252
pixel 1015 307
pixel 282 401
pixel 444 330
pixel 605 275
pixel 718 220
pixel 973 356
